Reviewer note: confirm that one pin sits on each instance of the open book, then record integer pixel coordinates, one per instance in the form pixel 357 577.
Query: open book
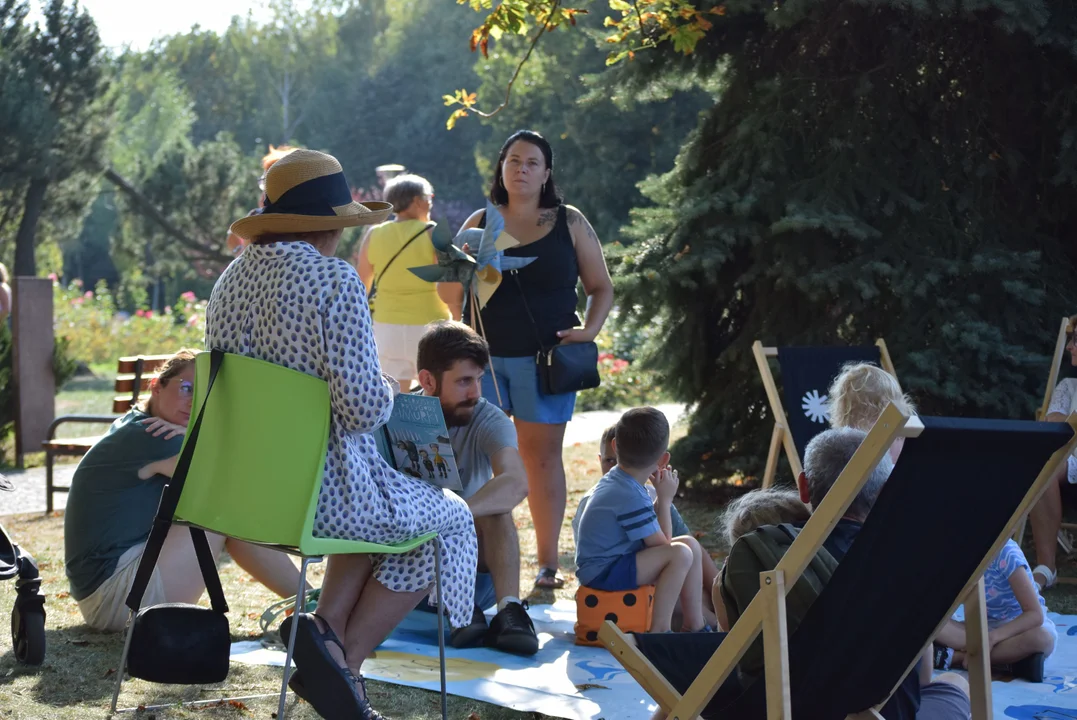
pixel 415 441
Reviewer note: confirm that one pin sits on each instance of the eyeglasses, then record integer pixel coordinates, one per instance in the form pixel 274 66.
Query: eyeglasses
pixel 186 388
pixel 262 183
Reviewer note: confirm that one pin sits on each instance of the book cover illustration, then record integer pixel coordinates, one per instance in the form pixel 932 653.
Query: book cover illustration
pixel 415 441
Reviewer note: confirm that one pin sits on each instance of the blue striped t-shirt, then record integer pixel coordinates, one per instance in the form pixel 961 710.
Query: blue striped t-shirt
pixel 613 521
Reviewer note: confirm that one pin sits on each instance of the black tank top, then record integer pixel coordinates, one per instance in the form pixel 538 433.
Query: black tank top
pixel 549 285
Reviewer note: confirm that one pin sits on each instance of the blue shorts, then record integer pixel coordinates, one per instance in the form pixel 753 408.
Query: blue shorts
pixel 517 378
pixel 619 575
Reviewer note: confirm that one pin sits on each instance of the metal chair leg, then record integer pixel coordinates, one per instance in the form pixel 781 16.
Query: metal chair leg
pixel 300 603
pixel 48 482
pixel 122 669
pixel 441 628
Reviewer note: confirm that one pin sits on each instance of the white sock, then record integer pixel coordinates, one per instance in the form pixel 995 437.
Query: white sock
pixel 504 602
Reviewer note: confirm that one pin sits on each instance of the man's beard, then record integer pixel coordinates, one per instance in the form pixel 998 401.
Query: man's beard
pixel 459 414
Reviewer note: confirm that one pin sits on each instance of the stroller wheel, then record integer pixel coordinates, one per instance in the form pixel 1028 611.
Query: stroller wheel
pixel 28 634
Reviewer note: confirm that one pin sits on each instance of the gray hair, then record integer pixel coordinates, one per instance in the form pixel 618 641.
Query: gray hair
pixel 827 455
pixel 765 506
pixel 402 190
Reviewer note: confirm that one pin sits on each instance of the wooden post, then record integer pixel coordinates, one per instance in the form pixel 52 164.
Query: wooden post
pixel 978 660
pixel 776 645
pixel 32 348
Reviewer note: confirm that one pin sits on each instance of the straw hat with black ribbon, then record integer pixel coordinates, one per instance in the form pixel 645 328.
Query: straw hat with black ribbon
pixel 306 191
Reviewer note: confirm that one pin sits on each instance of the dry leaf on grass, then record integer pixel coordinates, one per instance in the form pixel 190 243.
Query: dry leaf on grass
pixel 591 686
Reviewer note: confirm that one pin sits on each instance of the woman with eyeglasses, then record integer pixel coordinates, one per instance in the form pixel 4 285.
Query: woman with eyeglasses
pixel 113 500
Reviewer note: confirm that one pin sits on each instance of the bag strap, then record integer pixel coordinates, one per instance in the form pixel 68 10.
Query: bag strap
pixel 166 510
pixel 374 285
pixel 527 307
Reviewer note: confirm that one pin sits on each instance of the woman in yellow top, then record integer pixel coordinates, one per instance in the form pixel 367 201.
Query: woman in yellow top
pixel 404 304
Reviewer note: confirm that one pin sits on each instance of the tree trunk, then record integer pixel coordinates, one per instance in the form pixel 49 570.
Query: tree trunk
pixel 24 239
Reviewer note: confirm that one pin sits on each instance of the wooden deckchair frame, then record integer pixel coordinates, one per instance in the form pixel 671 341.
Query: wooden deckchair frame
pixel 781 437
pixel 766 612
pixel 1064 329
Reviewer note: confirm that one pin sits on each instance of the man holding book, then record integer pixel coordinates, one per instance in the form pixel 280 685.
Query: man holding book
pixel 452 360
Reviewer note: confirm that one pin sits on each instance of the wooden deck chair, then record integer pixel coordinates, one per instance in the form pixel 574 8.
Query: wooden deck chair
pixel 1064 329
pixel 950 504
pixel 807 373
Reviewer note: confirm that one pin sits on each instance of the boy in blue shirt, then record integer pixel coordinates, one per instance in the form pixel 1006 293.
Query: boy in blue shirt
pixel 625 540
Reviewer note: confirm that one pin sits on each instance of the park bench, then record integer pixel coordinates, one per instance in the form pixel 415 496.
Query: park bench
pixel 133 377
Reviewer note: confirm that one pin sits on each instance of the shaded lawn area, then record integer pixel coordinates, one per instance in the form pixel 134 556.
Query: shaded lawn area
pixel 77 677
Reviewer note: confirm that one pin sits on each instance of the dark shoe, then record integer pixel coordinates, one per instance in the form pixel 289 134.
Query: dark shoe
pixel 943 657
pixel 295 682
pixel 512 631
pixel 1029 668
pixel 329 688
pixel 470 635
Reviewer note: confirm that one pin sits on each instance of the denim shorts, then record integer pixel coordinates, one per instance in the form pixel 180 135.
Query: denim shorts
pixel 620 575
pixel 521 397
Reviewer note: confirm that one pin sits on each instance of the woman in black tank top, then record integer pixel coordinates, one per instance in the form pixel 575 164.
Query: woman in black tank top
pixel 566 251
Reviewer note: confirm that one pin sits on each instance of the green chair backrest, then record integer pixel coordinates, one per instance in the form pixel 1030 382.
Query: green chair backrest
pixel 257 466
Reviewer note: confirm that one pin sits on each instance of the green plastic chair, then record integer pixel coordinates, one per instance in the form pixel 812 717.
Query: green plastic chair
pixel 256 473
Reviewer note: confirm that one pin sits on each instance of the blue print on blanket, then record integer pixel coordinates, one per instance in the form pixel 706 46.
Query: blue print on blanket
pixel 1040 712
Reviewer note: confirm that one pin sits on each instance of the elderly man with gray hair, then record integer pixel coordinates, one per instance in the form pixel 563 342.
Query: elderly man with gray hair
pixel 681 657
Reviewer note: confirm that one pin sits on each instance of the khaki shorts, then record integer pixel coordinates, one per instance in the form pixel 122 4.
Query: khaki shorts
pixel 398 346
pixel 105 609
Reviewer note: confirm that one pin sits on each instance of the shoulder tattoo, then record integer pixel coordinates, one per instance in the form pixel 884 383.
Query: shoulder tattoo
pixel 576 217
pixel 547 217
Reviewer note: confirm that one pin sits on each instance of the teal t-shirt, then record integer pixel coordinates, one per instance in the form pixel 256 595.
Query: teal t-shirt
pixel 109 509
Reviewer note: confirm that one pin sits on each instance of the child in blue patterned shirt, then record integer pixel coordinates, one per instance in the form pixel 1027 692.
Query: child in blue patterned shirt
pixel 1020 635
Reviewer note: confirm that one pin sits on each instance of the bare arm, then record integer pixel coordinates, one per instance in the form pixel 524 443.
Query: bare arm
pixel 656 539
pixel 161 467
pixel 595 277
pixel 452 294
pixel 506 490
pixel 366 270
pixel 1031 616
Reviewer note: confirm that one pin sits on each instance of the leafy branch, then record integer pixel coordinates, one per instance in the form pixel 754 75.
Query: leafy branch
pixel 643 24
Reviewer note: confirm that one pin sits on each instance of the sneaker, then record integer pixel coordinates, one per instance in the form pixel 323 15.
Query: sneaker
pixel 1029 668
pixel 470 635
pixel 512 631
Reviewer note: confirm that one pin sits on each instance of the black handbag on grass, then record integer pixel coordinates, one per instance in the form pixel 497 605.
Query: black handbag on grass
pixel 176 642
pixel 563 368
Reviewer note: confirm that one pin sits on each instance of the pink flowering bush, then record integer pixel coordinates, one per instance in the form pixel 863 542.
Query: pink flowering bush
pixel 97 333
pixel 624 385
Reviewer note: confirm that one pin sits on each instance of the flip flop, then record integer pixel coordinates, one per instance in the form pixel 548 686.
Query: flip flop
pixel 549 580
pixel 328 687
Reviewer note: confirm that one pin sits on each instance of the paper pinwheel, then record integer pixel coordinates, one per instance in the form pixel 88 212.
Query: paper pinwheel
pixel 479 274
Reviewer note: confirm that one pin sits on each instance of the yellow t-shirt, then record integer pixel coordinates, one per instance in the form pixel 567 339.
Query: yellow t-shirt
pixel 403 298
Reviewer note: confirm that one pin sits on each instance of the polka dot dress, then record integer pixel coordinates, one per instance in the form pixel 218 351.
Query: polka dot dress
pixel 287 304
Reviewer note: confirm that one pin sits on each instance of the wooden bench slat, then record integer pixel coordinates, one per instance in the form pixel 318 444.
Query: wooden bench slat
pixel 121 404
pixel 150 363
pixel 70 446
pixel 125 383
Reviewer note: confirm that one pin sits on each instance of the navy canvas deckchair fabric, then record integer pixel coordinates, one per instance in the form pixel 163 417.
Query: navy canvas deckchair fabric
pixel 951 495
pixel 806 376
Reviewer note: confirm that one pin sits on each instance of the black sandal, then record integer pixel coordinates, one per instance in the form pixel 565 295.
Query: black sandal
pixel 328 687
pixel 368 713
pixel 548 579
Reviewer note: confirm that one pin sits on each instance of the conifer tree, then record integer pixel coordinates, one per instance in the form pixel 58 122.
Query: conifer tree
pixel 885 169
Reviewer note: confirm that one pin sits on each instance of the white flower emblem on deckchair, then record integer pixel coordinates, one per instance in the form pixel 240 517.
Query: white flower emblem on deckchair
pixel 815 407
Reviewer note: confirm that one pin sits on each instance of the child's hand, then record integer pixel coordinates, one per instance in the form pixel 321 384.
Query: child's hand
pixel 159 428
pixel 666 483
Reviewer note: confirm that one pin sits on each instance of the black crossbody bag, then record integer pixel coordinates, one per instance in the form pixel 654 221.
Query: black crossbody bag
pixel 180 643
pixel 562 368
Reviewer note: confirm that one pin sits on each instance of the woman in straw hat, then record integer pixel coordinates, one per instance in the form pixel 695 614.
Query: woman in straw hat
pixel 289 301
